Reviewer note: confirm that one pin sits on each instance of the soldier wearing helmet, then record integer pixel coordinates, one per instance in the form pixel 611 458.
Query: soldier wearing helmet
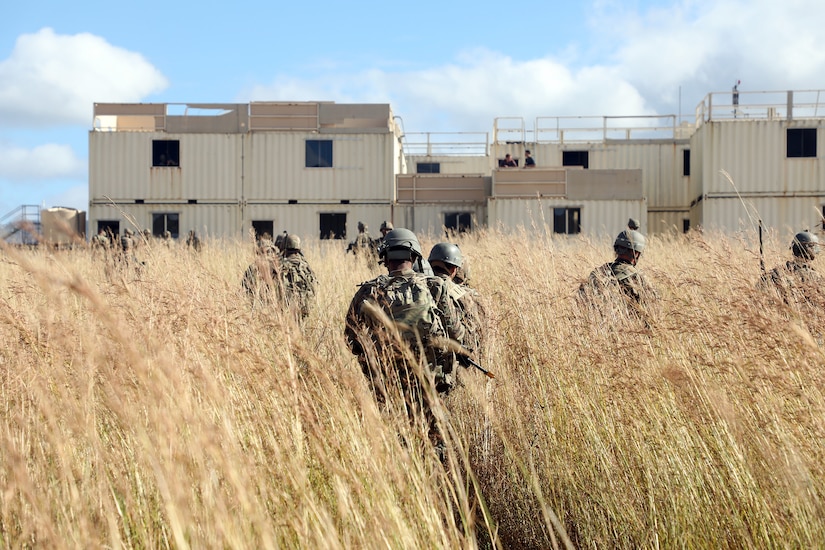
pixel 261 280
pixel 399 321
pixel 297 278
pixel 385 228
pixel 364 245
pixel 621 277
pixel 447 260
pixel 797 280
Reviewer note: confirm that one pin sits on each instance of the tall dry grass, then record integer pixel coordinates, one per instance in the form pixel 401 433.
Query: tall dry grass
pixel 159 410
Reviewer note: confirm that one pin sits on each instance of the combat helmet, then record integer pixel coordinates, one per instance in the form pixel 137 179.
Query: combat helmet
pixel 629 239
pixel 292 242
pixel 448 253
pixel 361 227
pixel 400 244
pixel 805 245
pixel 386 226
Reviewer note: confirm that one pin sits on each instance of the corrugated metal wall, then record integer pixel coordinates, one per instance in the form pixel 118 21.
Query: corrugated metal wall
pixel 785 192
pixel 428 219
pixel 210 167
pixel 206 219
pixel 362 168
pixel 787 216
pixel 598 218
pixel 754 154
pixel 481 164
pixel 661 162
pixel 304 220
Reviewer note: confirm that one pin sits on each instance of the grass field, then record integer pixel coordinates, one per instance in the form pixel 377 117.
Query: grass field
pixel 160 411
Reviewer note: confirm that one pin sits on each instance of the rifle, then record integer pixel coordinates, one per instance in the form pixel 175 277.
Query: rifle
pixel 761 253
pixel 465 359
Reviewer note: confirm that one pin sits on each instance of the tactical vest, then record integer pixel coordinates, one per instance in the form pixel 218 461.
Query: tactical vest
pixel 407 301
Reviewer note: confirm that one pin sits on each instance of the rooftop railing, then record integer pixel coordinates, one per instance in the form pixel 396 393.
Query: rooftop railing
pixel 758 105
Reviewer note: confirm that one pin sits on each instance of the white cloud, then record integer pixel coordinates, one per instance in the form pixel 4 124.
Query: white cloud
pixel 73 197
pixel 707 45
pixel 648 60
pixel 52 79
pixel 44 162
pixel 469 94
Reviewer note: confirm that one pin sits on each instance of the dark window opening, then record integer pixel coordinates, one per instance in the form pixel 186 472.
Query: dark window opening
pixel 192 201
pixel 292 201
pixel 138 201
pixel 263 226
pixel 319 153
pixel 110 227
pixel 166 221
pixel 165 153
pixel 685 225
pixel 575 158
pixel 333 226
pixel 686 162
pixel 801 142
pixel 428 168
pixel 567 220
pixel 458 222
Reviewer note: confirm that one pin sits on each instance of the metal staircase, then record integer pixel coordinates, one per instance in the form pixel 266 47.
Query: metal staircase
pixel 21 226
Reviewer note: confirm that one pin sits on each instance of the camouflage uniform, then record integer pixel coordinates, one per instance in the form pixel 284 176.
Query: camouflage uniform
pixel 619 287
pixel 298 281
pixel 398 321
pixel 262 278
pixel 797 282
pixel 193 240
pixel 441 320
pixel 363 242
pixel 289 280
pixel 100 241
pixel 473 317
pixel 444 258
pixel 619 277
pixel 127 250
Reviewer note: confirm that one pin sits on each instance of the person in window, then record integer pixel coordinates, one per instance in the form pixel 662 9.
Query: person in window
pixel 529 161
pixel 509 162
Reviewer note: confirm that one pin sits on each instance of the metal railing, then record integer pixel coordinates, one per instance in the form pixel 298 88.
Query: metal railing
pixel 446 143
pixel 578 129
pixel 21 225
pixel 761 105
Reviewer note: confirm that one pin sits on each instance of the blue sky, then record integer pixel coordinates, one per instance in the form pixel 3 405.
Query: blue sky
pixel 442 66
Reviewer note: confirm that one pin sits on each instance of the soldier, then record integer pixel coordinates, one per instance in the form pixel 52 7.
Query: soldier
pixel 633 224
pixel 262 278
pixel 127 249
pixel 448 262
pixel 362 242
pixel 100 241
pixel 168 241
pixel 797 281
pixel 279 242
pixel 193 240
pixel 385 228
pixel 620 278
pixel 400 321
pixel 297 278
